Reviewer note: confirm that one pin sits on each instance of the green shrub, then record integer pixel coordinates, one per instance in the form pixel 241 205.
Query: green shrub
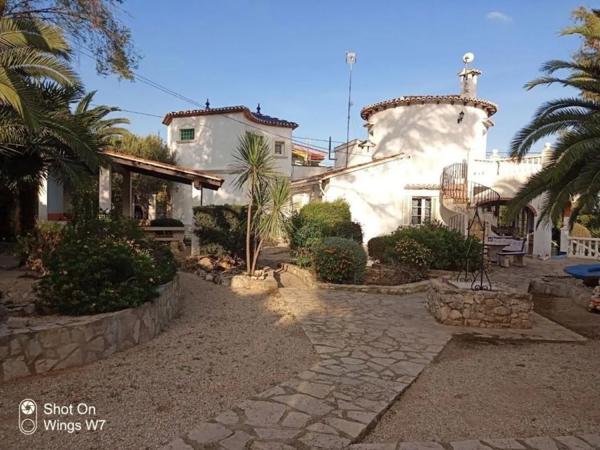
pixel 165 264
pixel 316 221
pixel 221 229
pixel 42 240
pixel 411 256
pixel 327 213
pixel 448 247
pixel 339 260
pixel 103 265
pixel 378 246
pixel 166 222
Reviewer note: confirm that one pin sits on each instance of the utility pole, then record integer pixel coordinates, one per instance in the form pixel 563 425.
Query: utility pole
pixel 350 60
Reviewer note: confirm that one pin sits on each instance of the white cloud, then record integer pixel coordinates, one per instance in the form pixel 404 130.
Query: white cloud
pixel 498 16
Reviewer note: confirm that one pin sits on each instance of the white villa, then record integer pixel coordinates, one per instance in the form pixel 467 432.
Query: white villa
pixel 423 158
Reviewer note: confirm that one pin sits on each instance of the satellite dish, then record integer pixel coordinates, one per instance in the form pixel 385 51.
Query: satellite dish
pixel 468 57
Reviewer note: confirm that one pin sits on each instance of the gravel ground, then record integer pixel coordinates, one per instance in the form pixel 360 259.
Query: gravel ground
pixel 223 349
pixel 480 389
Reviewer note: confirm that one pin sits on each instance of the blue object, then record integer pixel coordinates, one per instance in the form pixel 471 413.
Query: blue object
pixel 583 271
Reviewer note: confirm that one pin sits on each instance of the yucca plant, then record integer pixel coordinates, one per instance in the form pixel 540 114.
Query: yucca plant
pixel 270 216
pixel 572 174
pixel 255 167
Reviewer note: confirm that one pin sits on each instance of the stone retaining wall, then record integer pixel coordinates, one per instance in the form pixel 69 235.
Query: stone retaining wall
pixel 560 287
pixel 501 308
pixel 43 348
pixel 309 279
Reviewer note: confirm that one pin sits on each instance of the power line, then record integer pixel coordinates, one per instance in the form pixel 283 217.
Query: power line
pixel 166 90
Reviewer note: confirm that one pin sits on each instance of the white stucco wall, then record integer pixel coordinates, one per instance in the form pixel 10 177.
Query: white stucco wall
pixel 430 134
pixel 356 154
pixel 375 194
pixel 215 142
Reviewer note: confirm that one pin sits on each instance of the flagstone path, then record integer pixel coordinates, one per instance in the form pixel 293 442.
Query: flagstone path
pixel 371 348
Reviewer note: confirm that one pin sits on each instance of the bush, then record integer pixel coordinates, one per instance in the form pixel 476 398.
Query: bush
pixel 412 257
pixel 340 260
pixel 316 221
pixel 378 246
pixel 166 222
pixel 43 240
pixel 448 247
pixel 221 229
pixel 103 265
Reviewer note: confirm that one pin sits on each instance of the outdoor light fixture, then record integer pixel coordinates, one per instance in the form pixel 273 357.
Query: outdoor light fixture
pixel 461 116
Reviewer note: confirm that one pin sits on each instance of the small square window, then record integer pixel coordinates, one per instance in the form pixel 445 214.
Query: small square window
pixel 279 148
pixel 186 134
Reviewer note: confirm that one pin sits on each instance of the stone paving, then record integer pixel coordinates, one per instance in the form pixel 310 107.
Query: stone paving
pixel 576 442
pixel 371 348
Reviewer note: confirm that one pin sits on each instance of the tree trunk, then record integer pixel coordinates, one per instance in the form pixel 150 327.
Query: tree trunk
pixel 249 228
pixel 256 253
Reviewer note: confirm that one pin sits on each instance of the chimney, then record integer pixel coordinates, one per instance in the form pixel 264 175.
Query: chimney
pixel 468 82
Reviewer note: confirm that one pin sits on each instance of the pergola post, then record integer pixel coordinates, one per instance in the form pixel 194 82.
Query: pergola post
pixel 197 194
pixel 105 189
pixel 127 194
pixel 152 208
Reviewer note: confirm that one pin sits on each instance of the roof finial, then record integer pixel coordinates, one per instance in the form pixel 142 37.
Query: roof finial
pixel 258 108
pixel 207 104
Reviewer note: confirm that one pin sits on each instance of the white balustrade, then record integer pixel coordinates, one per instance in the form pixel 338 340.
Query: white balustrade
pixel 581 247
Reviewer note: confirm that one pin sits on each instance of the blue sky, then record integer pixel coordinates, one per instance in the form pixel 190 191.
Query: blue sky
pixel 289 56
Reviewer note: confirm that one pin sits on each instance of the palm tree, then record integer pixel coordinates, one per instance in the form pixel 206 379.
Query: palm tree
pixel 255 166
pixel 66 143
pixel 572 176
pixel 31 52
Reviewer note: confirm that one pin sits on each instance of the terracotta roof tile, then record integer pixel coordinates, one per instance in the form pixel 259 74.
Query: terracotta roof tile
pixel 408 100
pixel 252 116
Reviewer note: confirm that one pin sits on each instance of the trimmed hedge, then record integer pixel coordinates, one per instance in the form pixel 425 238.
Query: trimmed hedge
pixel 166 222
pixel 340 260
pixel 221 229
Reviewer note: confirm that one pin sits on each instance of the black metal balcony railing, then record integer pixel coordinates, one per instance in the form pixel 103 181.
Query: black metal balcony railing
pixel 456 186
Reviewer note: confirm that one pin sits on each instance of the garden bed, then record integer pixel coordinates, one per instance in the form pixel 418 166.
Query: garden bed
pixel 30 346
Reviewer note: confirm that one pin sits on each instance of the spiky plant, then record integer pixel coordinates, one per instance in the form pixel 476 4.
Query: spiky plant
pixel 271 213
pixel 255 167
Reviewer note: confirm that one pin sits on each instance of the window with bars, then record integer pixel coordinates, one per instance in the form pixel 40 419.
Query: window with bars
pixel 186 134
pixel 421 210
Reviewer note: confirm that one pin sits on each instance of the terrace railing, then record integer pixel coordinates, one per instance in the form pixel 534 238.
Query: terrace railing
pixel 582 247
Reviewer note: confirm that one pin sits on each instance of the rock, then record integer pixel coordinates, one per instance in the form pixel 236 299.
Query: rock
pixel 209 277
pixel 206 263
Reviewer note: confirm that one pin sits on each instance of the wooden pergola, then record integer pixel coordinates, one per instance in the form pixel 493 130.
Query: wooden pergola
pixel 128 164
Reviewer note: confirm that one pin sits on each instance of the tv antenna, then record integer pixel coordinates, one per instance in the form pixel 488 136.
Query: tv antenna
pixel 350 60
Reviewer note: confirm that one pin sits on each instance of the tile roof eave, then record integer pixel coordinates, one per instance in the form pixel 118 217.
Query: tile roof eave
pixel 342 171
pixel 253 117
pixel 369 110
